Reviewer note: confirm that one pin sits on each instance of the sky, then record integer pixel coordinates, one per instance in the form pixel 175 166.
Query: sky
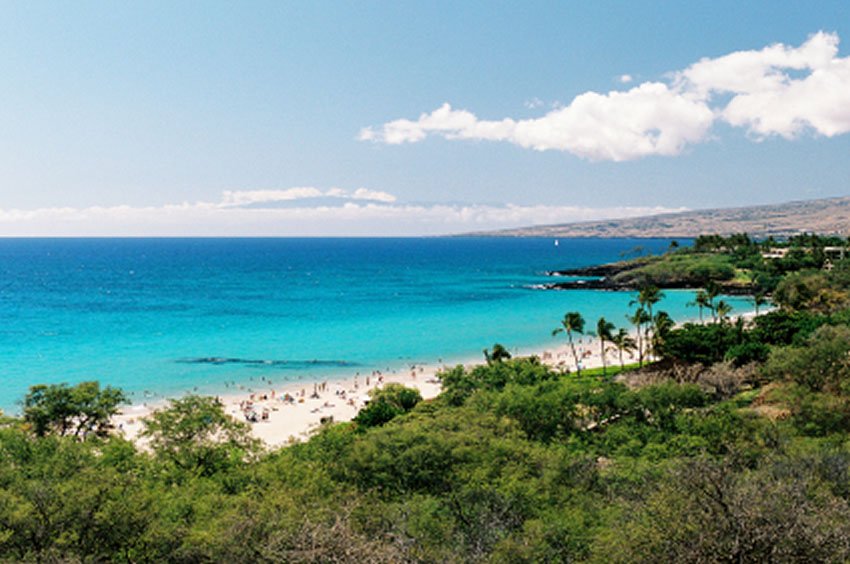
pixel 412 118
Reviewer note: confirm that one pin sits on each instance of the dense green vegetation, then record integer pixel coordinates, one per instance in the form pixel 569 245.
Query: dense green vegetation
pixel 681 269
pixel 732 444
pixel 736 263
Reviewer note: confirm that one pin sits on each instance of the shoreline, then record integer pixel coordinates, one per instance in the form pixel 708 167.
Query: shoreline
pixel 317 400
pixel 291 412
pixel 295 409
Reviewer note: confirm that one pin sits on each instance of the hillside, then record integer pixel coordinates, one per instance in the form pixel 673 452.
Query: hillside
pixel 828 216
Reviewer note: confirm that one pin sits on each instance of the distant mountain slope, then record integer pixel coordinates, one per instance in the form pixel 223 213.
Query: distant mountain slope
pixel 825 216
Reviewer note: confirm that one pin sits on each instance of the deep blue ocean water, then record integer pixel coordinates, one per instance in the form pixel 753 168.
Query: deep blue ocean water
pixel 171 315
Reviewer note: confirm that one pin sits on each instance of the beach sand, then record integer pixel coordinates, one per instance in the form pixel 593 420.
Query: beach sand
pixel 293 421
pixel 294 411
pixel 312 402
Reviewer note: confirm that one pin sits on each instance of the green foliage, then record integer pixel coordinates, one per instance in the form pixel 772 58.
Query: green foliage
pixel 822 364
pixel 557 407
pixel 713 511
pixel 387 403
pixel 612 370
pixel 459 383
pixel 704 344
pixel 735 243
pixel 605 334
pixel 819 414
pixel 573 322
pixel 810 290
pixel 531 465
pixel 840 273
pixel 783 327
pixel 747 352
pixel 195 434
pixel 681 269
pixel 499 354
pixel 78 410
pixel 797 259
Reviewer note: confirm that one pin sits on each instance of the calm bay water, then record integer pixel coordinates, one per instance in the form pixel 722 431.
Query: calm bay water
pixel 170 315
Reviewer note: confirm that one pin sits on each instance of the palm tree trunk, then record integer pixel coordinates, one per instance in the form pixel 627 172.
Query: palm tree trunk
pixel 604 365
pixel 640 345
pixel 575 354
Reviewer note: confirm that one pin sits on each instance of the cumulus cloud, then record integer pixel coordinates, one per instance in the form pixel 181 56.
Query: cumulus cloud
pixel 650 119
pixel 778 90
pixel 769 97
pixel 253 213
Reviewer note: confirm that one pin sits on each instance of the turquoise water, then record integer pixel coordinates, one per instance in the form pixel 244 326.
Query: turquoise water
pixel 171 315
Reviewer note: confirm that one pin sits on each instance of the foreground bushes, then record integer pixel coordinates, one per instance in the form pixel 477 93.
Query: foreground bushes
pixel 514 463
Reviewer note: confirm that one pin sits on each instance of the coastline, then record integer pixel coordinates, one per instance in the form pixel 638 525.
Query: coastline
pixel 294 421
pixel 340 399
pixel 314 401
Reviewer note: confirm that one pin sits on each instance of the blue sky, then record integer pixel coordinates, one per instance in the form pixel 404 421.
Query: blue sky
pixel 255 118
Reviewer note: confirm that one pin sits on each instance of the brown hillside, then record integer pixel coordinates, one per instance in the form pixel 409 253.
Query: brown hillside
pixel 830 216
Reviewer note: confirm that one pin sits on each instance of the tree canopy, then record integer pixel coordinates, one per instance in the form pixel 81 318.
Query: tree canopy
pixel 78 410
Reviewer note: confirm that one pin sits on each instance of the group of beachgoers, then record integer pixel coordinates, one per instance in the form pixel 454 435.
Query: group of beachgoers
pixel 278 416
pixel 255 408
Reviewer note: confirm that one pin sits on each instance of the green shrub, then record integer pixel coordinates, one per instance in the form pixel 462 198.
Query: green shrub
pixel 822 364
pixel 745 353
pixel 387 403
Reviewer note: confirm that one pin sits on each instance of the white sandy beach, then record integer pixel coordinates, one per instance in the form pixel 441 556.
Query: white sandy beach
pixel 294 411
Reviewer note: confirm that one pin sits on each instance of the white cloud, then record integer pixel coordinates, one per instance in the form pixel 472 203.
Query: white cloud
pixel 248 197
pixel 625 78
pixel 533 103
pixel 251 197
pixel 779 90
pixel 650 119
pixel 242 214
pixel 768 96
pixel 373 195
pixel 745 72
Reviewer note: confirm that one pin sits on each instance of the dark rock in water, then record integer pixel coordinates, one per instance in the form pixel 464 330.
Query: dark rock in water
pixel 597 270
pixel 613 286
pixel 262 363
pixel 597 284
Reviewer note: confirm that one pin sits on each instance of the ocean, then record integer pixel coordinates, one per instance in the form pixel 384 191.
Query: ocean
pixel 161 317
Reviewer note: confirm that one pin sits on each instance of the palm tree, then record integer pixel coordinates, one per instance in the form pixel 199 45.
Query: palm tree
pixel 499 354
pixel 638 318
pixel 662 325
pixel 572 322
pixel 648 296
pixel 759 299
pixel 702 301
pixel 624 343
pixel 712 290
pixel 605 332
pixel 723 311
